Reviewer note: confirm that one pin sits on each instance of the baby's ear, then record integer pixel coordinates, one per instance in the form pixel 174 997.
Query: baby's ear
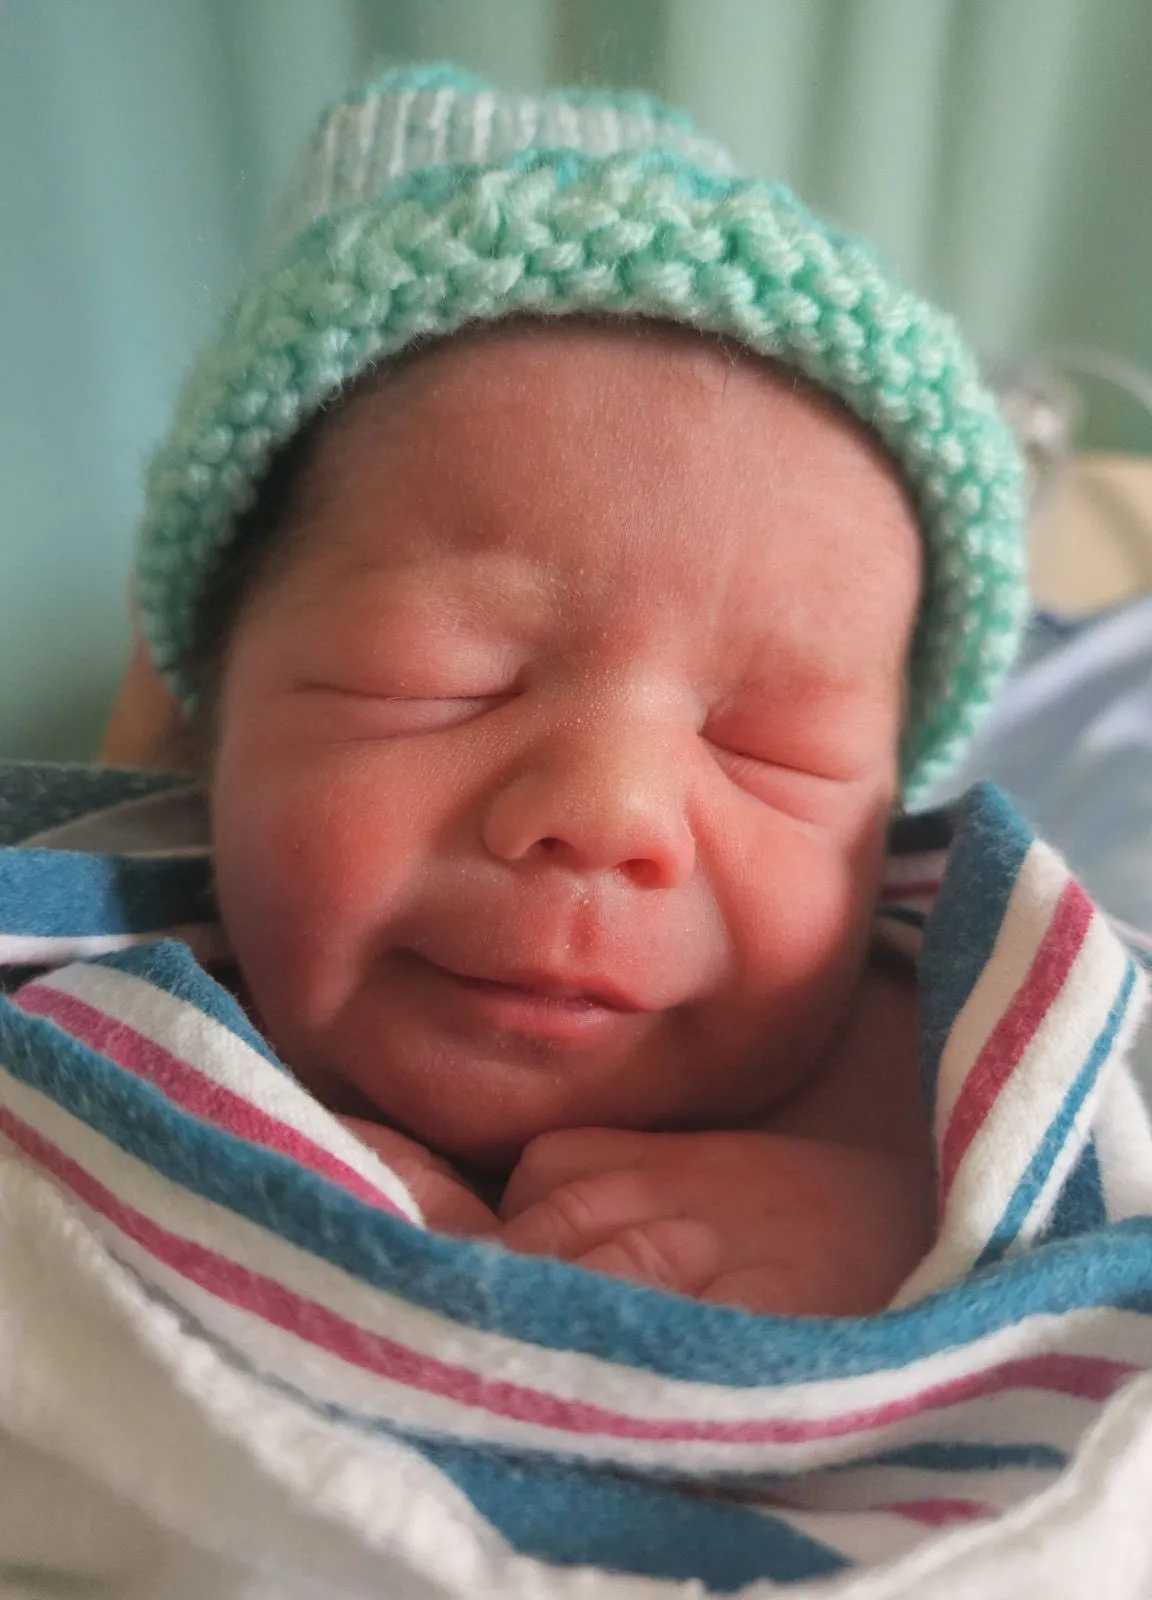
pixel 146 726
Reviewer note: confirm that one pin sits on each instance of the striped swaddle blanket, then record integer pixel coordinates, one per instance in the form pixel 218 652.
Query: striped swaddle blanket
pixel 256 1303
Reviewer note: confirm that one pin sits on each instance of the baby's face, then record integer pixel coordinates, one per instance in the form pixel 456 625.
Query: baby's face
pixel 555 768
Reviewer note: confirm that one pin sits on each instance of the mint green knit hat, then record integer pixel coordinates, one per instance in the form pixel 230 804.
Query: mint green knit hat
pixel 428 201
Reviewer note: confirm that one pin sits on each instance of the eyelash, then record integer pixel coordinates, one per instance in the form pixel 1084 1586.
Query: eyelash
pixel 417 714
pixel 411 714
pixel 745 760
pixel 774 781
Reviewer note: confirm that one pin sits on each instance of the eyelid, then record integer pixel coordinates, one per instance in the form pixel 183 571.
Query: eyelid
pixel 389 715
pixel 803 765
pixel 773 764
pixel 383 696
pixel 812 738
pixel 810 800
pixel 806 793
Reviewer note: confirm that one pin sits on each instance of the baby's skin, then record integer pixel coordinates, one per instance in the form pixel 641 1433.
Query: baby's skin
pixel 554 770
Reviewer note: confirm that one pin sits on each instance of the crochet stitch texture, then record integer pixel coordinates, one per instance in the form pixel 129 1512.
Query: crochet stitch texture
pixel 429 201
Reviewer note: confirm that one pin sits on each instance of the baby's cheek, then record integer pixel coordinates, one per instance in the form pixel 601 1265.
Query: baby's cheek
pixel 305 865
pixel 803 931
pixel 805 908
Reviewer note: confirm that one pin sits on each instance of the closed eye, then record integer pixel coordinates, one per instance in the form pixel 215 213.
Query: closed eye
pixel 745 759
pixel 789 786
pixel 356 713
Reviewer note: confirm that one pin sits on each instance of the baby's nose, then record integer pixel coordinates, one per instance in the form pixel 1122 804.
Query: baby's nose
pixel 596 801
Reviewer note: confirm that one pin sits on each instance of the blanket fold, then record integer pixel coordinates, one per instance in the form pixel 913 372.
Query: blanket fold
pixel 564 1432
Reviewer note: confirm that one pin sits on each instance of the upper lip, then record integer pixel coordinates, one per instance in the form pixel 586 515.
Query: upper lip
pixel 551 985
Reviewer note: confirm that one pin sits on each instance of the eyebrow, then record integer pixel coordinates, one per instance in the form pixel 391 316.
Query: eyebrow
pixel 797 654
pixel 498 587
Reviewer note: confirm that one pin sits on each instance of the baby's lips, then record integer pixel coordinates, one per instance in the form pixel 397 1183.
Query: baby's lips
pixel 533 980
pixel 551 984
pixel 560 990
pixel 545 949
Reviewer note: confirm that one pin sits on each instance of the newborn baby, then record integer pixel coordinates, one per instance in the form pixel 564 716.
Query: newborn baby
pixel 554 765
pixel 570 557
pixel 572 553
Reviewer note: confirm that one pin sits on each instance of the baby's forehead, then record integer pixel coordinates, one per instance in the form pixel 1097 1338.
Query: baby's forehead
pixel 453 390
pixel 671 352
pixel 560 472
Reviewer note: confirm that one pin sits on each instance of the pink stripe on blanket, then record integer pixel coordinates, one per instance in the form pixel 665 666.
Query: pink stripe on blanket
pixel 1014 1029
pixel 1078 1376
pixel 938 1511
pixel 191 1089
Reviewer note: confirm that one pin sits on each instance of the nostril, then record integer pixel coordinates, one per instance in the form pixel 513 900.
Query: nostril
pixel 644 874
pixel 642 871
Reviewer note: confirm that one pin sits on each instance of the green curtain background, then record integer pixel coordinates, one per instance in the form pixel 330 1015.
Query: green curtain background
pixel 998 150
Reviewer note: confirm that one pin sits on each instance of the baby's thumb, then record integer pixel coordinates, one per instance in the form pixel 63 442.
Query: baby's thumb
pixel 445 1200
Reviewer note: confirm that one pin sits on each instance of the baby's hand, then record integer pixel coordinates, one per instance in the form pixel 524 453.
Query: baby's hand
pixel 766 1221
pixel 445 1200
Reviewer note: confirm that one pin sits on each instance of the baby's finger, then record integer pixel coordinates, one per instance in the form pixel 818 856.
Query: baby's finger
pixel 449 1206
pixel 579 1216
pixel 674 1253
pixel 445 1201
pixel 554 1159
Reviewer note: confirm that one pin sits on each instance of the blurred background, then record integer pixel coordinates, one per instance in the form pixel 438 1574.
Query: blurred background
pixel 997 150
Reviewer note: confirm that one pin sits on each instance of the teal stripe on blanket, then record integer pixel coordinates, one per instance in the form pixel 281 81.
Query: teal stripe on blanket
pixel 1080 1207
pixel 44 794
pixel 65 894
pixel 569 1514
pixel 956 1455
pixel 989 846
pixel 1059 1129
pixel 543 1302
pixel 171 968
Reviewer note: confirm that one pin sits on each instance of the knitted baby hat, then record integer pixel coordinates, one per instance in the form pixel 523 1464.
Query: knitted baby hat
pixel 429 201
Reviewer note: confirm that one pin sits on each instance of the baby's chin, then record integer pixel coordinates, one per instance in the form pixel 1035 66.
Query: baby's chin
pixel 486 1144
pixel 476 1070
pixel 480 1112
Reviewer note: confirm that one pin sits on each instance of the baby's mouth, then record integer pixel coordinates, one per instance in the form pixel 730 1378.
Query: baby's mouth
pixel 548 988
pixel 561 1007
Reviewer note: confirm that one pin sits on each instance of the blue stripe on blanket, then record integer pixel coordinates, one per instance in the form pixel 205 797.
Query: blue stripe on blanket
pixel 170 966
pixel 544 1302
pixel 1058 1130
pixel 956 1455
pixel 990 843
pixel 568 1514
pixel 920 833
pixel 65 894
pixel 1081 1203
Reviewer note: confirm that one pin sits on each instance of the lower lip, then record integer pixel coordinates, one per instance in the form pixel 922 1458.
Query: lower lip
pixel 559 1019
